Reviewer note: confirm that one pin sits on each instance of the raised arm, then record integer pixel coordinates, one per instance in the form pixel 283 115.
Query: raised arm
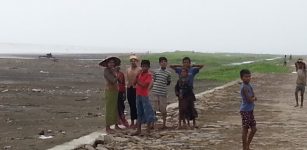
pixel 174 66
pixel 198 66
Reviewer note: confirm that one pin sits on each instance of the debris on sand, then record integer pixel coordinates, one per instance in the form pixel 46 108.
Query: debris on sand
pixel 37 90
pixel 44 137
pixel 6 90
pixel 43 72
pixel 82 99
pixel 7 147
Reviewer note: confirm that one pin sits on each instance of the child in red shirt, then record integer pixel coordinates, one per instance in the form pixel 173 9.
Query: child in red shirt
pixel 145 113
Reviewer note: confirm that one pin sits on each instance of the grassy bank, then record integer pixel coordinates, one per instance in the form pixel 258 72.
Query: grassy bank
pixel 219 67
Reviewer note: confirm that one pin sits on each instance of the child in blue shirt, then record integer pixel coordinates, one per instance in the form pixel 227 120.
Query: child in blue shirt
pixel 247 108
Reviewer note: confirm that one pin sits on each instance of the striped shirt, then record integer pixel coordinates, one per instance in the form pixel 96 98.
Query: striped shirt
pixel 160 79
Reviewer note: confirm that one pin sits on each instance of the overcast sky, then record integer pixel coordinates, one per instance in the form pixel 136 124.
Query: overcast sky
pixel 256 26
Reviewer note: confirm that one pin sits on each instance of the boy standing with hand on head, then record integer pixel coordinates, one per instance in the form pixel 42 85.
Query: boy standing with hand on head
pixel 192 69
pixel 145 113
pixel 161 79
pixel 300 81
pixel 247 108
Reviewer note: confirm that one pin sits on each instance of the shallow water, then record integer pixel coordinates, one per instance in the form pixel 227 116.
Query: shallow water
pixel 16 57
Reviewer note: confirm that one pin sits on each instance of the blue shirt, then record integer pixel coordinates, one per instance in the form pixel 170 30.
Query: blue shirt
pixel 245 104
pixel 192 72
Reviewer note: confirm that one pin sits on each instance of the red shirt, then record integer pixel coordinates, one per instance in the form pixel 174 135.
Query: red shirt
pixel 121 82
pixel 144 78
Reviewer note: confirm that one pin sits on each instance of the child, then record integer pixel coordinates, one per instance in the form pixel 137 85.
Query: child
pixel 192 69
pixel 300 81
pixel 144 109
pixel 121 97
pixel 132 72
pixel 161 79
pixel 247 108
pixel 111 91
pixel 186 98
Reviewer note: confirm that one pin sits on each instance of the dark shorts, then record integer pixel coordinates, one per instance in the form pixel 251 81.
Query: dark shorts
pixel 248 119
pixel 300 88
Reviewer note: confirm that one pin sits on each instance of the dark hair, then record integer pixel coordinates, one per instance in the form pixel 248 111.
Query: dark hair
pixel 145 62
pixel 162 58
pixel 186 58
pixel 184 68
pixel 244 72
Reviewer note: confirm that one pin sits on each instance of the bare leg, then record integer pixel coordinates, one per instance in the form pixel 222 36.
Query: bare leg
pixel 250 136
pixel 302 98
pixel 244 138
pixel 296 98
pixel 149 127
pixel 138 131
pixel 109 130
pixel 179 123
pixel 194 123
pixel 117 127
pixel 164 121
pixel 184 123
pixel 132 125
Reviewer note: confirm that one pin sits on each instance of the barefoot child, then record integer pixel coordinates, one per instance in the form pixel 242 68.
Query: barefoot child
pixel 192 70
pixel 111 91
pixel 132 71
pixel 144 109
pixel 161 79
pixel 186 99
pixel 247 108
pixel 121 97
pixel 300 81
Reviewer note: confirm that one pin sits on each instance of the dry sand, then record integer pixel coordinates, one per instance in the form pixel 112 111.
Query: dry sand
pixel 280 125
pixel 64 99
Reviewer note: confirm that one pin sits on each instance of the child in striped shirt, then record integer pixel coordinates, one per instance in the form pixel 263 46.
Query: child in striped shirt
pixel 161 79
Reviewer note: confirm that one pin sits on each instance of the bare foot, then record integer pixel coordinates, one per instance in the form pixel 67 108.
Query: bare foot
pixel 133 126
pixel 126 124
pixel 296 105
pixel 163 128
pixel 110 131
pixel 117 127
pixel 148 131
pixel 136 133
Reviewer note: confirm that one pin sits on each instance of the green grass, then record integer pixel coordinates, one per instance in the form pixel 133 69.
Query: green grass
pixel 217 66
pixel 229 73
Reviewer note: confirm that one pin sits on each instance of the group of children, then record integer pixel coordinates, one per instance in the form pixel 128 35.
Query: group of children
pixel 248 99
pixel 143 109
pixel 141 82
